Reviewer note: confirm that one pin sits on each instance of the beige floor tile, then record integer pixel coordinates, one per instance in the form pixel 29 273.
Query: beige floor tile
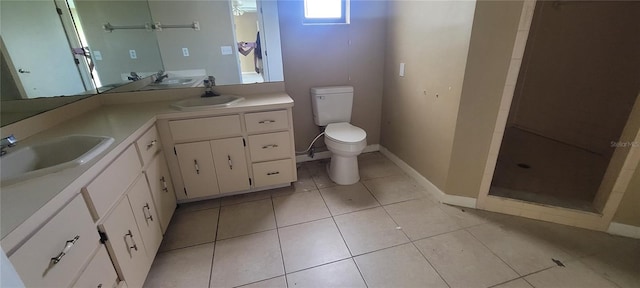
pixel 463 261
pixel 621 266
pixel 246 259
pixel 247 197
pixel 304 184
pixel 311 244
pixel 400 266
pixel 198 205
pixel 188 267
pixel 575 274
pixel 278 282
pixel 299 207
pixel 376 168
pixel 348 198
pixel 339 274
pixel 421 218
pixel 190 228
pixel 318 171
pixel 369 230
pixel 246 218
pixel 518 283
pixel 467 217
pixel 394 189
pixel 522 250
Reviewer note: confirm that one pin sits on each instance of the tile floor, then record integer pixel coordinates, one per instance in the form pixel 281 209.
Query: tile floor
pixel 385 231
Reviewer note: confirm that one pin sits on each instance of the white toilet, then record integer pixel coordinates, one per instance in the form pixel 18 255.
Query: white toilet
pixel 332 108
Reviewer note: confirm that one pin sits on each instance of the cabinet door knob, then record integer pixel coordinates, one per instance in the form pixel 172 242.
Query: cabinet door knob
pixel 133 246
pixel 150 217
pixel 151 144
pixel 195 165
pixel 164 184
pixel 65 250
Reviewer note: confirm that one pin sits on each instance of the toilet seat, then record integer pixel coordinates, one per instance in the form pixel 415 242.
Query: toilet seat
pixel 345 133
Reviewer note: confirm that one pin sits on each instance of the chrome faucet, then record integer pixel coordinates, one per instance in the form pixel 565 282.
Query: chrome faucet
pixel 209 83
pixel 160 75
pixel 134 76
pixel 6 142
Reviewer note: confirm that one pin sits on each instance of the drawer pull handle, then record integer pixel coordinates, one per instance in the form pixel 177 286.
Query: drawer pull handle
pixel 148 210
pixel 273 173
pixel 195 165
pixel 230 162
pixel 134 246
pixel 270 146
pixel 164 184
pixel 151 144
pixel 65 250
pixel 267 121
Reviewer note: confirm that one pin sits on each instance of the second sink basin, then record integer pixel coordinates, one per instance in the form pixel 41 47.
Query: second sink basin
pixel 207 103
pixel 51 156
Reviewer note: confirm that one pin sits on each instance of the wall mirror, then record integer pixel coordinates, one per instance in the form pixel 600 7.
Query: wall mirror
pixel 72 49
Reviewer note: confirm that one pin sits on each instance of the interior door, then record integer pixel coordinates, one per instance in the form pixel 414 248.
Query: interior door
pixel 231 164
pixel 43 60
pixel 198 171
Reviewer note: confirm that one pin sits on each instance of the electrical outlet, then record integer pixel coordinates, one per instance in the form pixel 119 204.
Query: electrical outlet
pixel 185 52
pixel 132 54
pixel 97 55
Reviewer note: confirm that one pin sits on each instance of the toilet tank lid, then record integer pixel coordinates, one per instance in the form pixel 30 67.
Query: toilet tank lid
pixel 331 90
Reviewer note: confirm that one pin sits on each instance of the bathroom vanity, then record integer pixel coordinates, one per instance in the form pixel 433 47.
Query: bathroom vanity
pixel 100 224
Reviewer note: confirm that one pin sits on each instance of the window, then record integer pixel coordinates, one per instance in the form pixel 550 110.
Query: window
pixel 326 11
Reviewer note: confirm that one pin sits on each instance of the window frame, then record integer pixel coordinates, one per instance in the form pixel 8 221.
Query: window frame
pixel 344 17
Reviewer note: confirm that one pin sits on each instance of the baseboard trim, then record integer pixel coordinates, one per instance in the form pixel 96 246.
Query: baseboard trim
pixel 624 230
pixel 327 154
pixel 431 188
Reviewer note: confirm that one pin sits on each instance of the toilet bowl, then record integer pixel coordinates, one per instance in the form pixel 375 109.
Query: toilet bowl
pixel 345 142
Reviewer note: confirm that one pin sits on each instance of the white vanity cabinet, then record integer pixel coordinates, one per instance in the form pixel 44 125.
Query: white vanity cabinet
pixel 133 234
pixel 157 174
pixel 56 253
pixel 243 152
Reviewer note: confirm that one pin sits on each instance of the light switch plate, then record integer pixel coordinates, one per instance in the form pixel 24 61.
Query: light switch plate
pixel 401 70
pixel 97 55
pixel 132 54
pixel 226 50
pixel 185 52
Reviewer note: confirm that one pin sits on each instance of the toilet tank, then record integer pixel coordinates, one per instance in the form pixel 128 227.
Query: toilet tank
pixel 331 104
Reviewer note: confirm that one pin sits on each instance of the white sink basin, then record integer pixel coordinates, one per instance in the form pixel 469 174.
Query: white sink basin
pixel 51 156
pixel 207 103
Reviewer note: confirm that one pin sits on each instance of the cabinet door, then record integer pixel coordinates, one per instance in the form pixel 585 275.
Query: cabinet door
pixel 196 166
pixel 125 245
pixel 144 212
pixel 161 190
pixel 231 164
pixel 99 272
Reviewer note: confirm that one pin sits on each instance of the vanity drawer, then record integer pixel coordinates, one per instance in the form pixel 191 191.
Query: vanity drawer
pixel 99 272
pixel 33 261
pixel 273 172
pixel 148 144
pixel 272 146
pixel 205 128
pixel 105 190
pixel 266 121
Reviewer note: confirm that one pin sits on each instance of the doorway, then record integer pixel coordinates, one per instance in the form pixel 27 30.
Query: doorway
pixel 245 20
pixel 575 91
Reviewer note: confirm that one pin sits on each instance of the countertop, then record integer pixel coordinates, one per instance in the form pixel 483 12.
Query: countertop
pixel 32 202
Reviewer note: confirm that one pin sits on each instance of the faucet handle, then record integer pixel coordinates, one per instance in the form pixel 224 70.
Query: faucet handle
pixel 10 140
